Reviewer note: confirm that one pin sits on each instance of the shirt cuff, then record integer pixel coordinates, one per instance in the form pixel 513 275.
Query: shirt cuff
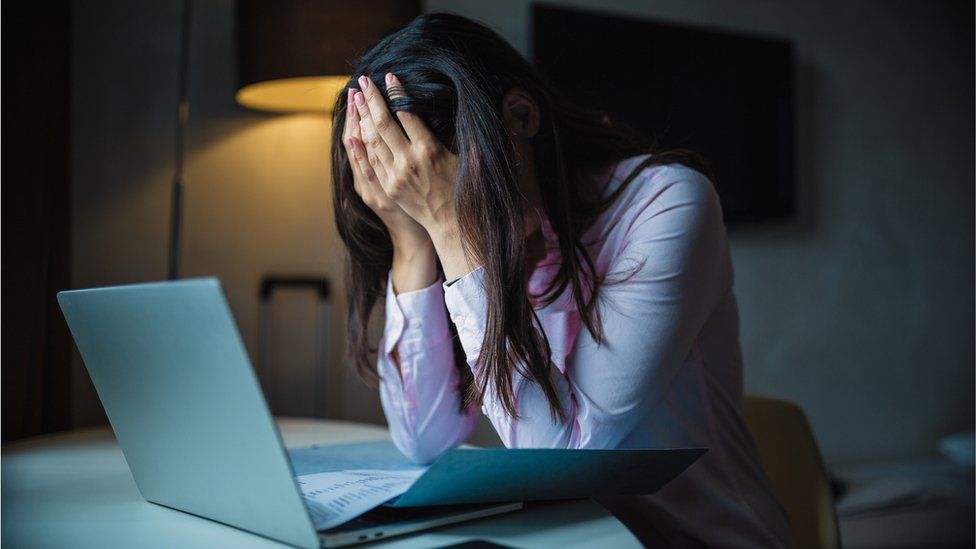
pixel 415 320
pixel 467 304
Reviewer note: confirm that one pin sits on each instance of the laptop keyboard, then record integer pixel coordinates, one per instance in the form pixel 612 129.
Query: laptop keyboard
pixel 385 515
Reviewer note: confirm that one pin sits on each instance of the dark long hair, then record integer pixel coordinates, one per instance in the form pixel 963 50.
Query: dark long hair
pixel 454 73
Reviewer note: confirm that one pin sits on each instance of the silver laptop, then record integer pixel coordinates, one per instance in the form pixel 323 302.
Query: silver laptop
pixel 176 383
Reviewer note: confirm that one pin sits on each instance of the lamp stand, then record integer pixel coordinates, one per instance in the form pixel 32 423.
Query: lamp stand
pixel 182 116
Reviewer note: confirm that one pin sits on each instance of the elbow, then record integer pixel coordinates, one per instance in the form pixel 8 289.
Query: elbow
pixel 417 452
pixel 424 446
pixel 419 449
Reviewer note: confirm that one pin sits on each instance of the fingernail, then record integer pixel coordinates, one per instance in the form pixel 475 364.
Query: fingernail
pixel 349 100
pixel 389 78
pixel 364 82
pixel 360 99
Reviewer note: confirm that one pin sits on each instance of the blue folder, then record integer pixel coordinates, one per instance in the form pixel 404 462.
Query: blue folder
pixel 498 474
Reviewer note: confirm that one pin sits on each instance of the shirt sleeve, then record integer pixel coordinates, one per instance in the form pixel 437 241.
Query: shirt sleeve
pixel 421 399
pixel 676 250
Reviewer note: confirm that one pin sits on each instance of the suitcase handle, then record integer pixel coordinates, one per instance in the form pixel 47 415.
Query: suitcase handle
pixel 271 283
pixel 266 290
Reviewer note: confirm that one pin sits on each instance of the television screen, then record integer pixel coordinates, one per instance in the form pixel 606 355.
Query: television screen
pixel 726 95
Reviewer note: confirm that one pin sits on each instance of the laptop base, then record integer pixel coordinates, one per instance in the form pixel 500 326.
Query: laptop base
pixel 384 521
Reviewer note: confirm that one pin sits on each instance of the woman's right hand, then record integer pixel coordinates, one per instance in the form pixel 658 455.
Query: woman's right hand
pixel 414 256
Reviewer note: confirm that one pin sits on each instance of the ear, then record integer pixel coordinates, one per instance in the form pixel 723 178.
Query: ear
pixel 521 113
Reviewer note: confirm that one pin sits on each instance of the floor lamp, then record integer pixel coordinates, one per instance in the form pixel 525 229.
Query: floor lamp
pixel 295 56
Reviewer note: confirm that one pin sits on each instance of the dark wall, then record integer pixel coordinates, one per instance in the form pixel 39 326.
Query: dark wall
pixel 36 257
pixel 860 311
pixel 257 198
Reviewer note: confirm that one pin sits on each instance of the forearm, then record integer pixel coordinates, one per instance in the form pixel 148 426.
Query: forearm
pixel 467 304
pixel 535 427
pixel 419 379
pixel 423 407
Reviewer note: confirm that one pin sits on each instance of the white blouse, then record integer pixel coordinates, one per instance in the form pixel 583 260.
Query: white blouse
pixel 668 375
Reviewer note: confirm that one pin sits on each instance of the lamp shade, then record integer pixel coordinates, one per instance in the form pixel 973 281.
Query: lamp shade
pixel 295 55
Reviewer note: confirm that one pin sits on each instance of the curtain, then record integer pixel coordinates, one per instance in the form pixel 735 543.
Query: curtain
pixel 36 346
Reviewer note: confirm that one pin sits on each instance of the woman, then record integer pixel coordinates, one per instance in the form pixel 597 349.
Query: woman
pixel 542 267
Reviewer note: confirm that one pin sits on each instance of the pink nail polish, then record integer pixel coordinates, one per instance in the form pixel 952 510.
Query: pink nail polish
pixel 364 82
pixel 360 99
pixel 389 78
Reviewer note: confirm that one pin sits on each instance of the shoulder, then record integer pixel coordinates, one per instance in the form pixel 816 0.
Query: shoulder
pixel 673 216
pixel 658 188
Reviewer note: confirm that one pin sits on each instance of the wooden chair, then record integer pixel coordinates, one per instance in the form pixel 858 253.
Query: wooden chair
pixel 792 460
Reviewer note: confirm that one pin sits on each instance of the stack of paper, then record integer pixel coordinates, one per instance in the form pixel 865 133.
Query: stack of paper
pixel 344 481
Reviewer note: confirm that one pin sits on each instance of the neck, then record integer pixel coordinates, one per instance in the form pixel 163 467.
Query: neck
pixel 532 207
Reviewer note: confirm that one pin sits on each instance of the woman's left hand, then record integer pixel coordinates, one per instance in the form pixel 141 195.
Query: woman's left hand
pixel 415 169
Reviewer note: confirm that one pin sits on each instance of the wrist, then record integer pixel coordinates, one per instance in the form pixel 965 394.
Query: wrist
pixel 414 266
pixel 444 232
pixel 412 253
pixel 410 241
pixel 447 242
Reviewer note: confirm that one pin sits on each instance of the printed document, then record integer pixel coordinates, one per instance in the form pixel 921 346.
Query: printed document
pixel 337 497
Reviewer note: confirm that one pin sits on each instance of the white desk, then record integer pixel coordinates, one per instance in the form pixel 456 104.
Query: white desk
pixel 74 490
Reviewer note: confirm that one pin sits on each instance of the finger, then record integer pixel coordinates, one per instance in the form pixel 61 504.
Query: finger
pixel 385 126
pixel 367 180
pixel 370 183
pixel 369 150
pixel 349 132
pixel 352 118
pixel 414 125
pixel 351 129
pixel 376 148
pixel 356 164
